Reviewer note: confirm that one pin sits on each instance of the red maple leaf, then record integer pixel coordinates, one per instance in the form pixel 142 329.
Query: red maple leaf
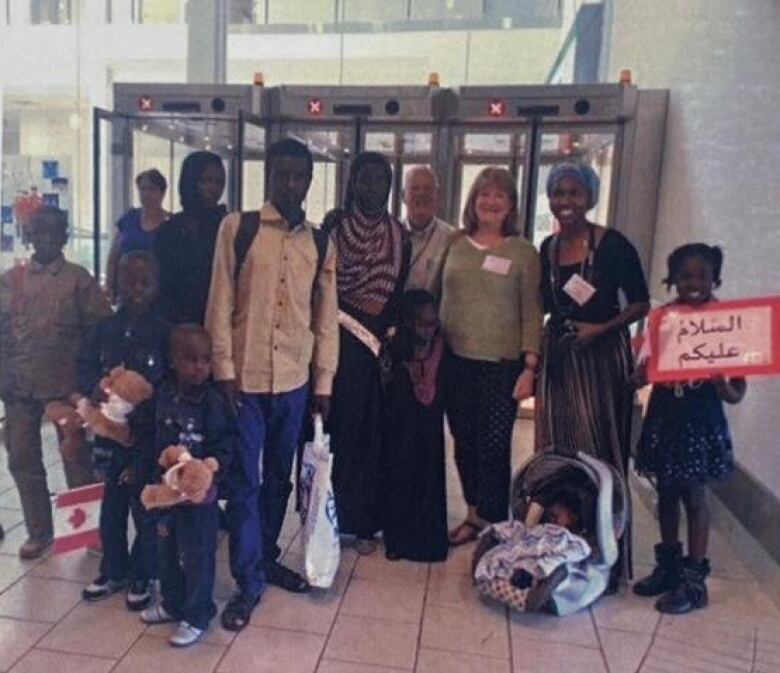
pixel 77 518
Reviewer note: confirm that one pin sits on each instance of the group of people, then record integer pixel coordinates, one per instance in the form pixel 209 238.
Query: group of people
pixel 248 323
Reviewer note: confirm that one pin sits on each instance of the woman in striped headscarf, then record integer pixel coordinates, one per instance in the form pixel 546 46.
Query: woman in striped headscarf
pixel 583 398
pixel 373 262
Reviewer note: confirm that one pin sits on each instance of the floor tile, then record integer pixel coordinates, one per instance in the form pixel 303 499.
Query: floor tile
pixel 224 586
pixel 16 637
pixel 102 633
pixel 373 641
pixel 538 656
pixel 331 666
pixel 263 650
pixel 623 650
pixel 77 566
pixel 155 655
pixel 576 629
pixel 468 630
pixel 10 517
pixel 12 569
pixel 458 561
pixel 454 590
pixel 718 638
pixel 695 656
pixel 376 568
pixel 439 661
pixel 41 661
pixel 626 612
pixel 14 538
pixel 9 499
pixel 39 599
pixel 313 612
pixel 396 601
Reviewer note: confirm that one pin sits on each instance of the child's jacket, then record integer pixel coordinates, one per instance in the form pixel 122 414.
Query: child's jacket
pixel 44 313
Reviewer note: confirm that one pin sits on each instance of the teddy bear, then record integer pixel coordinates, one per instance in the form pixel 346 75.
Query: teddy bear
pixel 186 479
pixel 125 390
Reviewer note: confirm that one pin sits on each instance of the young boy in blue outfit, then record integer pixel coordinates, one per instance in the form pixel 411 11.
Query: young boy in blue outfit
pixel 192 413
pixel 136 337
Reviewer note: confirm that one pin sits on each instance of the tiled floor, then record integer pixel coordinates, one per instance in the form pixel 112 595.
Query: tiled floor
pixel 380 617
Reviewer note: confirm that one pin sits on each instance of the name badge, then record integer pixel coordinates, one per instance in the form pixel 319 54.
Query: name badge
pixel 579 289
pixel 499 265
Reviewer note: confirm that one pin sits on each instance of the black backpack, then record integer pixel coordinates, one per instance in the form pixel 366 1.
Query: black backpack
pixel 247 230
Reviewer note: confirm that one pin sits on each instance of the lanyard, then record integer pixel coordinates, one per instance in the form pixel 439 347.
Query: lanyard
pixel 586 266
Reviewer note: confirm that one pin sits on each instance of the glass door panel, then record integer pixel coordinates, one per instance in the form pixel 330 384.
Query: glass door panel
pixel 597 149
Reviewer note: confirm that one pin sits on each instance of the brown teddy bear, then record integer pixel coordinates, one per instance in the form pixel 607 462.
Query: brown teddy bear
pixel 124 389
pixel 186 479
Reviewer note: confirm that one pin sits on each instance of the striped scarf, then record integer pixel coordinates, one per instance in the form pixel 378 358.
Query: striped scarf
pixel 369 260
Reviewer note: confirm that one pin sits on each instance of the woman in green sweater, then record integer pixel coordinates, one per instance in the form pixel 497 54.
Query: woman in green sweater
pixel 491 316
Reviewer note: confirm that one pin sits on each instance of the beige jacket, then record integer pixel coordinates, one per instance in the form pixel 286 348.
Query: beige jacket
pixel 267 329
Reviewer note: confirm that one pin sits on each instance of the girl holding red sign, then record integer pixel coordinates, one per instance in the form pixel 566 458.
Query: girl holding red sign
pixel 686 443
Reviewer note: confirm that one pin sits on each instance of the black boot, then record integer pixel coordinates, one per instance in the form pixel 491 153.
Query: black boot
pixel 691 592
pixel 665 574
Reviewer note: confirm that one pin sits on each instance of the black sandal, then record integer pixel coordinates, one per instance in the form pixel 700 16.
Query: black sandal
pixel 284 578
pixel 457 537
pixel 237 612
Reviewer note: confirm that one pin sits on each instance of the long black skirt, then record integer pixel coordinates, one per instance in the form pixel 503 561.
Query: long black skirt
pixel 355 427
pixel 414 508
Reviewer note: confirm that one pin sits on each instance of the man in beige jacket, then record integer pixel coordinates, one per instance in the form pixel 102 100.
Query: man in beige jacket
pixel 272 316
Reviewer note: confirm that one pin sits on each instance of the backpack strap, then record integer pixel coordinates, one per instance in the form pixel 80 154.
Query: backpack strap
pixel 247 230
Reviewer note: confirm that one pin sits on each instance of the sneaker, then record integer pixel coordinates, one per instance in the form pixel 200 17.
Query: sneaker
pixel 139 595
pixel 156 614
pixel 185 634
pixel 102 588
pixel 32 549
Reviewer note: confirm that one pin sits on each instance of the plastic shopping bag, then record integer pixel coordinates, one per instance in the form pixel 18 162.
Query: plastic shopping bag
pixel 318 511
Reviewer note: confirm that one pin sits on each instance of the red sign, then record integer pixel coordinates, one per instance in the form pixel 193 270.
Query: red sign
pixel 145 103
pixel 497 108
pixel 733 338
pixel 316 107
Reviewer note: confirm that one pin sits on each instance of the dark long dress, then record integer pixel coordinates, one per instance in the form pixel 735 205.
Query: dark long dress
pixel 355 419
pixel 584 401
pixel 414 511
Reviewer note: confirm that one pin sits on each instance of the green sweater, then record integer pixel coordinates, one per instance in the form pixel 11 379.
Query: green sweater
pixel 491 306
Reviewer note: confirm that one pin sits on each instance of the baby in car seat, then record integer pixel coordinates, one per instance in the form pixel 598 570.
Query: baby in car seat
pixel 521 562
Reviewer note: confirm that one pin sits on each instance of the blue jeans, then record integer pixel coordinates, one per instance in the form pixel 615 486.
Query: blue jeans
pixel 269 426
pixel 119 501
pixel 187 544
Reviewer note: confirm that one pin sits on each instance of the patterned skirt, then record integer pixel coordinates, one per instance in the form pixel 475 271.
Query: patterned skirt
pixel 585 402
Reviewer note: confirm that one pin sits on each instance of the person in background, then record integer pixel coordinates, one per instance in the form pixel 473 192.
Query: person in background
pixel 272 315
pixel 190 412
pixel 137 338
pixel 584 399
pixel 414 510
pixel 46 307
pixel 184 245
pixel 491 316
pixel 373 262
pixel 686 444
pixel 137 228
pixel 427 232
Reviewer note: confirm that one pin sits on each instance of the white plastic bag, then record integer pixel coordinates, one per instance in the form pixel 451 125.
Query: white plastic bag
pixel 318 511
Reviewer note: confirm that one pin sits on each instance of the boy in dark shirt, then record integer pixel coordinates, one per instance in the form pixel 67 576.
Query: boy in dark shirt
pixel 192 413
pixel 137 337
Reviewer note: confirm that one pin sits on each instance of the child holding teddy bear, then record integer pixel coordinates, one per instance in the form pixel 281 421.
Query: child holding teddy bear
pixel 195 438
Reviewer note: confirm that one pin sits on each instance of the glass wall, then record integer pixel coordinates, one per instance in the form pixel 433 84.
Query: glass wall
pixel 60 58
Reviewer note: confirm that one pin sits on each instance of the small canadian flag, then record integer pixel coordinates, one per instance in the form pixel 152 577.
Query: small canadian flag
pixel 77 517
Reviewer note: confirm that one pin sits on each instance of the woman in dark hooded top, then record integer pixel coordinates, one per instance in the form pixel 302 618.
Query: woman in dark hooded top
pixel 373 263
pixel 184 245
